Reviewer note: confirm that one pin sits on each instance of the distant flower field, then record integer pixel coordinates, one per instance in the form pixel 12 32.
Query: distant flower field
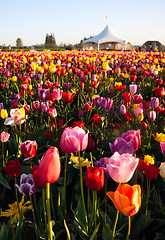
pixel 82 152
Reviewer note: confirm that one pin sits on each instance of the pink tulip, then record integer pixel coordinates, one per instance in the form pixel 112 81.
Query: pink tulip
pixel 122 167
pixel 73 140
pixel 50 166
pixel 4 136
pixel 133 88
pixel 52 112
pixel 152 115
pixel 16 114
pixel 28 149
pixel 57 93
pixel 162 145
pixel 133 135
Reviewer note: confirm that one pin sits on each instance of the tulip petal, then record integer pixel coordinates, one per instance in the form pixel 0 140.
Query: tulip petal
pixel 130 211
pixel 121 201
pixel 72 144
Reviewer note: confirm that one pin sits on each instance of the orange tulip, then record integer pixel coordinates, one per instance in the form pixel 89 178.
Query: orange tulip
pixel 127 199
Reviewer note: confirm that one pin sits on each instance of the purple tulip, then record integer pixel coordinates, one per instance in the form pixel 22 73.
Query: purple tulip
pixel 1 106
pixel 17 96
pixel 80 113
pixel 102 163
pixel 121 146
pixel 27 185
pixel 43 94
pixel 96 101
pixel 133 135
pixel 154 102
pixel 152 115
pixel 162 145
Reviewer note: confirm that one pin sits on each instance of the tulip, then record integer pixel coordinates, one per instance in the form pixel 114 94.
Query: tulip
pixel 4 136
pixel 127 199
pixel 27 185
pixel 94 178
pixel 151 171
pixel 36 105
pixel 121 146
pixel 152 116
pixel 4 113
pixel 162 145
pixel 126 97
pixel 162 170
pixel 14 103
pixel 43 94
pixel 45 106
pixel 28 149
pixel 154 102
pixel 13 168
pixel 138 98
pixel 133 89
pixel 52 112
pixel 80 113
pixel 68 97
pixel 92 144
pixel 159 92
pixel 96 119
pixel 50 166
pixel 122 109
pixel 88 106
pixel 73 140
pixel 122 167
pixel 1 106
pixel 57 93
pixel 102 163
pixel 133 135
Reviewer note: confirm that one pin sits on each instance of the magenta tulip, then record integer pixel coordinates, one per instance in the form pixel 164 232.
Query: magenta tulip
pixel 50 166
pixel 57 93
pixel 122 167
pixel 162 145
pixel 73 140
pixel 133 135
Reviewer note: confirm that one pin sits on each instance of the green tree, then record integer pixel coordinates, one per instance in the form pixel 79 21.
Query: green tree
pixel 50 41
pixel 19 43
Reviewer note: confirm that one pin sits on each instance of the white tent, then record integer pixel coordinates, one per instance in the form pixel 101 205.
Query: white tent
pixel 107 36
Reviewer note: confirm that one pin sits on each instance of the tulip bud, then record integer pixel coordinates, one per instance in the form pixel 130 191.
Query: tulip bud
pixel 152 115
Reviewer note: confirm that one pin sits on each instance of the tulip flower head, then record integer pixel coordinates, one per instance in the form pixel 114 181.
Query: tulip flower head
pixel 50 166
pixel 162 170
pixel 122 167
pixel 13 168
pixel 27 185
pixel 4 136
pixel 94 178
pixel 28 149
pixel 162 145
pixel 127 199
pixel 73 140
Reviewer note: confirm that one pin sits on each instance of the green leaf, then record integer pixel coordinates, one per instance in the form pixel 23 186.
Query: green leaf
pixel 107 232
pixel 4 232
pixel 4 182
pixel 95 232
pixel 19 227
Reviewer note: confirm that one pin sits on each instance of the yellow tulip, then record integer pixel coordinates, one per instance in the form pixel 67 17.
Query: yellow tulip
pixel 160 137
pixel 4 113
pixel 14 78
pixel 148 159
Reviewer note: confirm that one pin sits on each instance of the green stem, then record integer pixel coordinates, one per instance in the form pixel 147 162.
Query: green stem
pixel 44 207
pixel 91 158
pixel 148 193
pixel 82 193
pixel 65 170
pixel 3 154
pixel 105 200
pixel 115 224
pixel 34 218
pixel 95 210
pixel 129 227
pixel 48 211
pixel 16 194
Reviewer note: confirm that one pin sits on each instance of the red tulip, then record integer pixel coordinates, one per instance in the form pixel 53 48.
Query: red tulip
pixel 94 178
pixel 151 171
pixel 50 166
pixel 28 148
pixel 68 97
pixel 36 177
pixel 36 105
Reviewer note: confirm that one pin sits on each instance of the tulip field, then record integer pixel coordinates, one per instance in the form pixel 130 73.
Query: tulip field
pixel 82 150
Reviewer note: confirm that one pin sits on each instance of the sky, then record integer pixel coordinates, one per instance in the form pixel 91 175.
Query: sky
pixel 70 21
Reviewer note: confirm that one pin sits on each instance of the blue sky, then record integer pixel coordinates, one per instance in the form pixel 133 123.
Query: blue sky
pixel 71 21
